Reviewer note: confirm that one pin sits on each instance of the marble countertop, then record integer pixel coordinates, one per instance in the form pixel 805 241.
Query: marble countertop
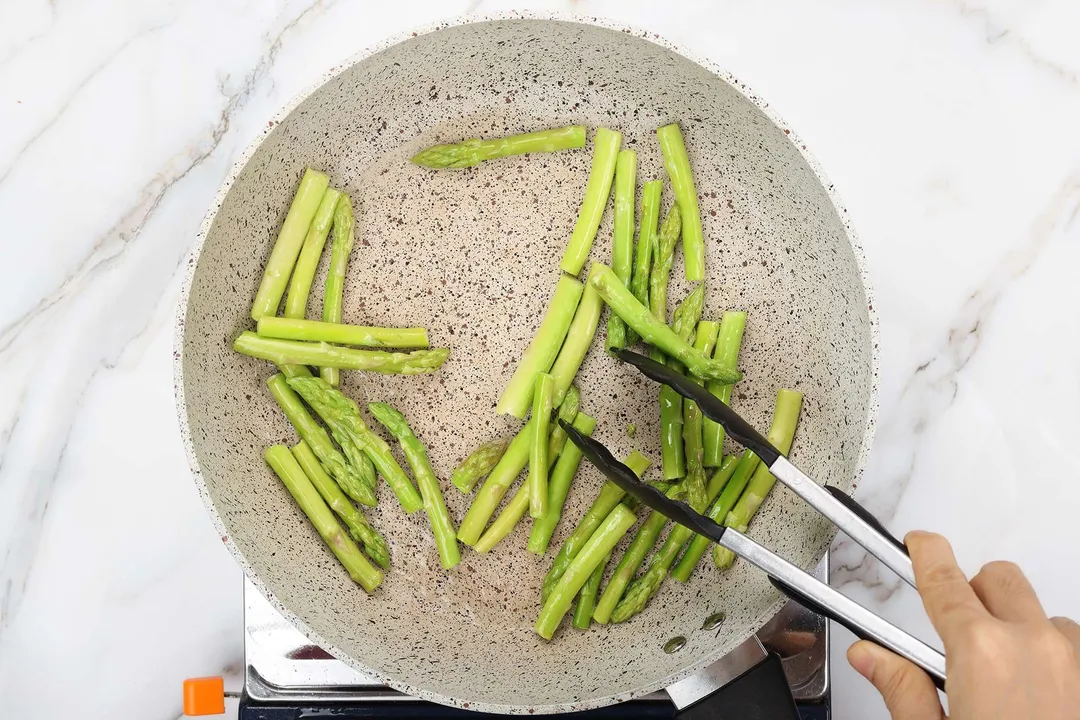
pixel 948 126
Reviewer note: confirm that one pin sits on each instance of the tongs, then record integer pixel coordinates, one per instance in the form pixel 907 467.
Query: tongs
pixel 834 504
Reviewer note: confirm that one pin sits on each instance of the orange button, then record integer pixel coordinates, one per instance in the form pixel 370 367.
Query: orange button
pixel 204 696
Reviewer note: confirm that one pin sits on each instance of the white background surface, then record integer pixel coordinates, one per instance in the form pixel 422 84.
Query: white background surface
pixel 949 128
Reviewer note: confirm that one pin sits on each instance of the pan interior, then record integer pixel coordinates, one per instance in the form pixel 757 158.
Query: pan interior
pixel 473 256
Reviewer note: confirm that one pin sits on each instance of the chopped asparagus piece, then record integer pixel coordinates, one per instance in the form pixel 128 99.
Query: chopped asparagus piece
pixel 538 452
pixel 333 293
pixel 677 164
pixel 586 603
pixel 289 241
pixel 308 261
pixel 558 487
pixel 544 347
pixel 597 191
pixel 578 339
pixel 568 410
pixel 647 248
pixel 473 152
pixel 296 352
pixel 307 497
pixel 622 243
pixel 318 331
pixel 728 343
pixel 479 463
pixel 491 492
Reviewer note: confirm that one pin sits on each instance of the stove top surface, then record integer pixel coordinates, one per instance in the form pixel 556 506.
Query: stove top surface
pixel 287 677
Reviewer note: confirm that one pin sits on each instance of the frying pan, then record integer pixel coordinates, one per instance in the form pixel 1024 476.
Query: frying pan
pixel 473 255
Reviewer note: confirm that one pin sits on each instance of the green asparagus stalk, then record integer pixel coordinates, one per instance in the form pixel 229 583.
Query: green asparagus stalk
pixel 568 410
pixel 473 152
pixel 316 331
pixel 505 522
pixel 654 332
pixel 308 261
pixel 478 464
pixel 495 486
pixel 294 370
pixel 672 449
pixel 586 603
pixel 635 553
pixel 592 554
pixel 646 247
pixel 442 527
pixel 667 239
pixel 359 527
pixel 538 452
pixel 692 423
pixel 640 591
pixel 542 350
pixel 342 413
pixel 677 164
pixel 347 477
pixel 622 243
pixel 609 496
pixel 578 339
pixel 333 294
pixel 756 491
pixel 307 497
pixel 558 487
pixel 781 432
pixel 296 352
pixel 289 241
pixel 605 153
pixel 728 343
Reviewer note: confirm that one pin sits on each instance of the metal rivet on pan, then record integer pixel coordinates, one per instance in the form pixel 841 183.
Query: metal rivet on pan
pixel 714 621
pixel 675 644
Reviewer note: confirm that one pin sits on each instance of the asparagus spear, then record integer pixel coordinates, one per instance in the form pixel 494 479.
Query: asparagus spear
pixel 640 591
pixel 781 432
pixel 542 350
pixel 646 247
pixel 296 352
pixel 340 412
pixel 491 492
pixel 578 339
pixel 692 424
pixel 667 239
pixel 760 484
pixel 538 452
pixel 677 164
pixel 673 455
pixel 344 227
pixel 316 331
pixel 586 603
pixel 598 547
pixel 442 527
pixel 654 332
pixel 294 370
pixel 727 352
pixel 609 496
pixel 505 522
pixel 473 152
pixel 292 475
pixel 479 463
pixel 558 487
pixel 289 241
pixel 359 527
pixel 308 261
pixel 622 243
pixel 605 151
pixel 568 410
pixel 349 478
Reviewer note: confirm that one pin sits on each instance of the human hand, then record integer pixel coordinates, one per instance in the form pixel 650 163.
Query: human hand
pixel 1004 658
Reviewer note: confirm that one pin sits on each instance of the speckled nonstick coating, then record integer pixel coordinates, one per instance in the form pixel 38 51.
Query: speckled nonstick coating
pixel 473 256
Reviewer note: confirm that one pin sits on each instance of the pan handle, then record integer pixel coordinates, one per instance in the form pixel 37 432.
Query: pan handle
pixel 760 693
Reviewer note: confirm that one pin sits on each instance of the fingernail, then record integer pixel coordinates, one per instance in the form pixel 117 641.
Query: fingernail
pixel 862 660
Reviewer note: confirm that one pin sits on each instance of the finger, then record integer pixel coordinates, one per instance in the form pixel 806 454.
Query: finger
pixel 908 692
pixel 1070 630
pixel 1005 591
pixel 948 598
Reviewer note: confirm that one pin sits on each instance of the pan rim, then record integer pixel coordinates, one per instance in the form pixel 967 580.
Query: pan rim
pixel 243 159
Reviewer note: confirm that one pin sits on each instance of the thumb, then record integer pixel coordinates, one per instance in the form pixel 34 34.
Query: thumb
pixel 909 693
